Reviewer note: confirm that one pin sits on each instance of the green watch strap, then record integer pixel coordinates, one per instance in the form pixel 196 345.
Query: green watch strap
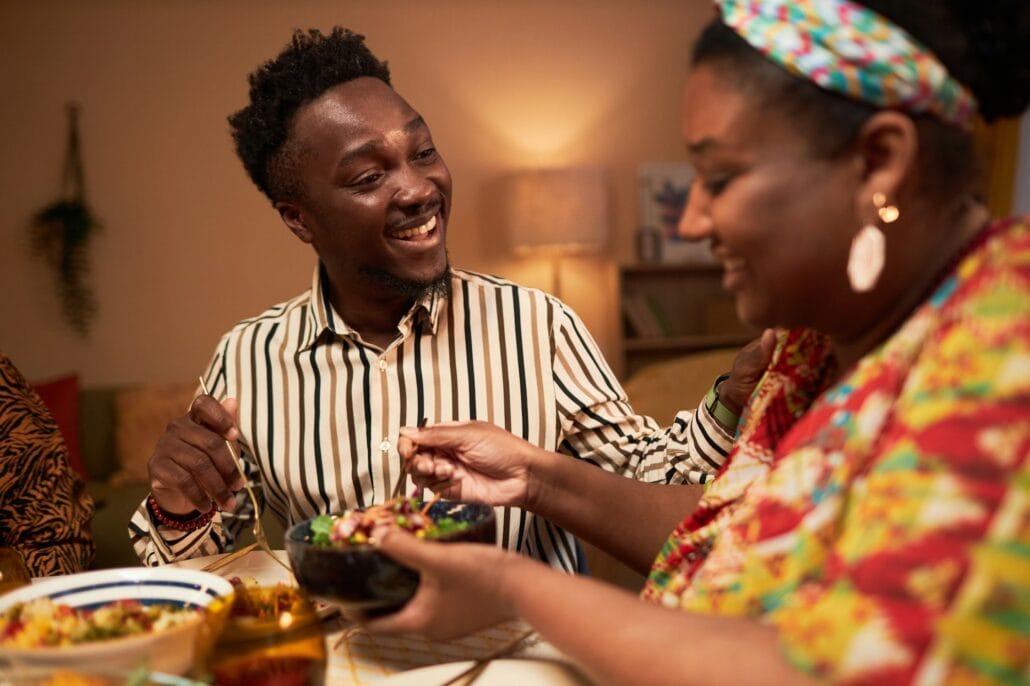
pixel 722 414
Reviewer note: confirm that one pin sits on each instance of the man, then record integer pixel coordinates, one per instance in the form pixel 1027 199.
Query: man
pixel 316 388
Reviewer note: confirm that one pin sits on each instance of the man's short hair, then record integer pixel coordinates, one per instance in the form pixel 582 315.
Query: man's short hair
pixel 308 66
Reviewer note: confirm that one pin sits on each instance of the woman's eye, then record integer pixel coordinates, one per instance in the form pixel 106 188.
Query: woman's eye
pixel 716 185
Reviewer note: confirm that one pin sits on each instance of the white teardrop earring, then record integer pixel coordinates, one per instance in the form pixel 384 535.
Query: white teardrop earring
pixel 869 248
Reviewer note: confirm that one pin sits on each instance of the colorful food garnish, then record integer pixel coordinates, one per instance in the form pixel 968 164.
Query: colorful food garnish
pixel 42 622
pixel 356 527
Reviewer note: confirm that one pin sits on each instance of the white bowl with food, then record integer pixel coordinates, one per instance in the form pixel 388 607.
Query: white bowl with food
pixel 118 618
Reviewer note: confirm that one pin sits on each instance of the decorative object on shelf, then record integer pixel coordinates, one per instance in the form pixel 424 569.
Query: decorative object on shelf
pixel 649 244
pixel 61 234
pixel 557 212
pixel 664 188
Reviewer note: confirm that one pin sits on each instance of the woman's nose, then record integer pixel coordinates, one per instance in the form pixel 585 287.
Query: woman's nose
pixel 695 224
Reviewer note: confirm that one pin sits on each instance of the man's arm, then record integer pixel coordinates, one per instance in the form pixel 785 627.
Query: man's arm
pixel 191 469
pixel 599 426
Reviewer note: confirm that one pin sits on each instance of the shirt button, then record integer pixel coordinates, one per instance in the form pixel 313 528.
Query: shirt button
pixel 382 365
pixel 385 445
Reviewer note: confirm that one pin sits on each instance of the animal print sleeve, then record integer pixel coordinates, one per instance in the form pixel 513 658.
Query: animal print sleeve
pixel 45 512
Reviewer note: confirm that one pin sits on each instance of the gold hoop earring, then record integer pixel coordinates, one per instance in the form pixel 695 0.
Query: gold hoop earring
pixel 869 248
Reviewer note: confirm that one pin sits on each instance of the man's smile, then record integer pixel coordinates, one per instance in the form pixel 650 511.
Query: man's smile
pixel 415 233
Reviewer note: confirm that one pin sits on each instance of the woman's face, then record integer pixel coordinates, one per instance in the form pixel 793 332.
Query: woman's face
pixel 780 219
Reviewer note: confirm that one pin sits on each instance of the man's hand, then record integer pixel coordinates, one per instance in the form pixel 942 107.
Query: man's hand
pixel 748 368
pixel 191 466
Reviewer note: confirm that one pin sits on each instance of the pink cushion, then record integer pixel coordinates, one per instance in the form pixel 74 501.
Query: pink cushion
pixel 61 396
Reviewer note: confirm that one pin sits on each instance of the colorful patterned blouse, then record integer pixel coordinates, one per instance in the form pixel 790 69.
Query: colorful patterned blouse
pixel 883 524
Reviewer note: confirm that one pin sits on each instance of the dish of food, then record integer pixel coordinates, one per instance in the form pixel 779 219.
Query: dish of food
pixel 80 621
pixel 271 636
pixel 356 576
pixel 42 622
pixel 356 527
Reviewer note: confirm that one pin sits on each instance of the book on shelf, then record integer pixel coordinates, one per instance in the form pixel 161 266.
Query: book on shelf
pixel 640 316
pixel 662 319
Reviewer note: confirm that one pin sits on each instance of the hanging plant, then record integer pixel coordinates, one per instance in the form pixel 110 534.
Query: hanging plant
pixel 61 233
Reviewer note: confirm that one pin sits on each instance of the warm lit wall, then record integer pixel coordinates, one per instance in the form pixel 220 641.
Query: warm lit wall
pixel 189 246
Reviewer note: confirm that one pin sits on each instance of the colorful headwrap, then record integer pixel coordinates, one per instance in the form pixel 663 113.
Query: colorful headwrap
pixel 845 47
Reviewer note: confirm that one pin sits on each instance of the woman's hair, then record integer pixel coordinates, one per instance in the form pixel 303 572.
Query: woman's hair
pixel 985 45
pixel 308 66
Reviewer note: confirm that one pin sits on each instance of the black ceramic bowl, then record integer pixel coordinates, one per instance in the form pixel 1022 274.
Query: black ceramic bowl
pixel 363 581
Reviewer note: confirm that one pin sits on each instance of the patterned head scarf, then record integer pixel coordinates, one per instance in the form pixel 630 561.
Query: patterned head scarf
pixel 842 46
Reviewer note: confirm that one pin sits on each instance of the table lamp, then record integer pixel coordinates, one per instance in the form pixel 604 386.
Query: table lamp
pixel 557 212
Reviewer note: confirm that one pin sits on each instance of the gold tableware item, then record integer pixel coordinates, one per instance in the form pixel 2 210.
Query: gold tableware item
pixel 264 634
pixel 259 530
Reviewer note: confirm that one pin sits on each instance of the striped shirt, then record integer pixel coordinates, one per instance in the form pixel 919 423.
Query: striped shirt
pixel 320 409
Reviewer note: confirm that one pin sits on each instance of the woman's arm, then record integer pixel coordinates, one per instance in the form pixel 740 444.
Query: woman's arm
pixel 618 638
pixel 479 462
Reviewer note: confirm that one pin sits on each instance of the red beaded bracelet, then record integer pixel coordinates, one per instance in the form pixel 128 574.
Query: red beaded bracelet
pixel 174 522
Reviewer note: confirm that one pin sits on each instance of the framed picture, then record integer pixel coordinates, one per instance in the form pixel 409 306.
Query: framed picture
pixel 664 187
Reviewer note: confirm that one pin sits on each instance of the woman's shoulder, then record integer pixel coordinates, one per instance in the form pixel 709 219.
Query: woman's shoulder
pixel 996 270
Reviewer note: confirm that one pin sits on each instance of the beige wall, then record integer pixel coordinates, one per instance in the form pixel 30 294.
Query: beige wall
pixel 189 246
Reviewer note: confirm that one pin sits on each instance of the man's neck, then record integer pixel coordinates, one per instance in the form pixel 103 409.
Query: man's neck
pixel 376 321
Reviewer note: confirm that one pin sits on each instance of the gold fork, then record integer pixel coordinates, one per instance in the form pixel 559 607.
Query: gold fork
pixel 398 487
pixel 259 530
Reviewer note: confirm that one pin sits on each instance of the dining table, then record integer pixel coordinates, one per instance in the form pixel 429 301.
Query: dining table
pixel 355 657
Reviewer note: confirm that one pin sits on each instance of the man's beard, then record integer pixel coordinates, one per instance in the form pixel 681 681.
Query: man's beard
pixel 408 288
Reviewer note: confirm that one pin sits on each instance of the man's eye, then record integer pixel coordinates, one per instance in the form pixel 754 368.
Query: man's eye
pixel 426 154
pixel 368 179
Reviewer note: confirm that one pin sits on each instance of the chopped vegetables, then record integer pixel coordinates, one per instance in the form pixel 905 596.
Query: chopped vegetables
pixel 42 622
pixel 356 527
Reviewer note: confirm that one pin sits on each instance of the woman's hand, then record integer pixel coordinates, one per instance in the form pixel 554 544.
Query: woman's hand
pixel 470 461
pixel 459 588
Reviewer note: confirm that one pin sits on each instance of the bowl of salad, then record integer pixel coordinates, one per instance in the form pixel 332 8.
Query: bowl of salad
pixel 127 618
pixel 336 558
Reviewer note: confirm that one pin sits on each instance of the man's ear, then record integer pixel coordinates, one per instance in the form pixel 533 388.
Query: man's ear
pixel 887 147
pixel 293 217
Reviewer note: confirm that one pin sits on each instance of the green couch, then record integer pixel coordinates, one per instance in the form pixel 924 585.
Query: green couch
pixel 116 503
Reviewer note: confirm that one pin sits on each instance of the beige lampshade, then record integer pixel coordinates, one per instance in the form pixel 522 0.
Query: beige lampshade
pixel 562 211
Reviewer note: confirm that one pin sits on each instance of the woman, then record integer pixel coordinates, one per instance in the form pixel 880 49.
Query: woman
pixel 871 524
pixel 45 512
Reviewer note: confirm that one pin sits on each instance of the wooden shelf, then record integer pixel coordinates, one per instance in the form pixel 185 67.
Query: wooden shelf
pixel 649 268
pixel 673 309
pixel 685 343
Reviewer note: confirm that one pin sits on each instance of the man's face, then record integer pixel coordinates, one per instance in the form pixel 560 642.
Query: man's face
pixel 375 193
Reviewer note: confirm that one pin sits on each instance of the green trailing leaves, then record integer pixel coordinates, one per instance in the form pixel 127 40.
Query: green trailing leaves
pixel 61 233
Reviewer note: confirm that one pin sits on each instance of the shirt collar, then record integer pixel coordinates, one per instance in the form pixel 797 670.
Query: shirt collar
pixel 326 324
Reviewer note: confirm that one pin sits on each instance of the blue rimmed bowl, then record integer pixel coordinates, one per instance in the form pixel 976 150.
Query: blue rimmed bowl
pixel 170 651
pixel 361 580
